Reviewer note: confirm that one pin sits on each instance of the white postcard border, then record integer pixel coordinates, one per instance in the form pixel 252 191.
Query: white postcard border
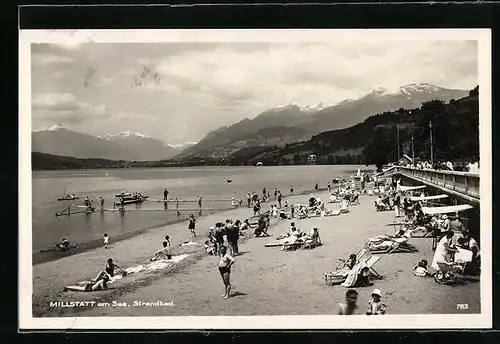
pixel 74 37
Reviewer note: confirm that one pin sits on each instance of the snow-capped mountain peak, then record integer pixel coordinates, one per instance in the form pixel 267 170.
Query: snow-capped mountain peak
pixel 181 145
pixel 307 108
pixel 122 135
pixel 408 89
pixel 56 127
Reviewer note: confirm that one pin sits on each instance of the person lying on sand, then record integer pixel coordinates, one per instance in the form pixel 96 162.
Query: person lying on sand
pixel 65 245
pixel 100 284
pixel 333 199
pixel 164 253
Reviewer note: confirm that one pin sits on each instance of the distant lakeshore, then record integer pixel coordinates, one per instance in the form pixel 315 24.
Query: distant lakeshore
pixel 44 162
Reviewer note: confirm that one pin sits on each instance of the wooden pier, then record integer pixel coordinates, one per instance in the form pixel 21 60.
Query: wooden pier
pixel 462 185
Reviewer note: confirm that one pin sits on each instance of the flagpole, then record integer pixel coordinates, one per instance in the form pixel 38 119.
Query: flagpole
pixel 399 155
pixel 412 150
pixel 432 148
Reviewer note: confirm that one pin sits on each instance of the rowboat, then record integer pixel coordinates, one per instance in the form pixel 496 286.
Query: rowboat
pixel 123 194
pixel 132 200
pixel 67 198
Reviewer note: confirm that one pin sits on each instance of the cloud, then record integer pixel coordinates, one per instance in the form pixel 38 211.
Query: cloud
pixel 66 108
pixel 56 102
pixel 184 90
pixel 42 59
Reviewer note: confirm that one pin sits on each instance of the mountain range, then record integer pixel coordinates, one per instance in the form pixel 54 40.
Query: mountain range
pixel 131 146
pixel 291 123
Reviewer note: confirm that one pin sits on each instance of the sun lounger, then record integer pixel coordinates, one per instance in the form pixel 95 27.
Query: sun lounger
pixel 399 245
pixel 333 213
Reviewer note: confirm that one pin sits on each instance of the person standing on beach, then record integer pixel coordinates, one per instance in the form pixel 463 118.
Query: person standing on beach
pixel 275 194
pixel 279 198
pixel 199 203
pixel 349 306
pixel 225 263
pixel 192 225
pixel 219 237
pixel 329 187
pixel 264 194
pixel 397 203
pixel 291 190
pixel 249 200
pixel 232 236
pixel 101 201
pixel 106 240
pixel 165 195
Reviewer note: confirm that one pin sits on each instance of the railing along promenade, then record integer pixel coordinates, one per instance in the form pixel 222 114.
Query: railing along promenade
pixel 464 185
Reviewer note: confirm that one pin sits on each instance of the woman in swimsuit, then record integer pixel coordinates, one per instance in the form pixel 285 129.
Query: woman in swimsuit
pixel 100 284
pixel 225 263
pixel 192 225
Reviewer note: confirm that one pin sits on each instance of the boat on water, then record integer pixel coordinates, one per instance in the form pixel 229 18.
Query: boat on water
pixel 229 180
pixel 68 198
pixel 131 200
pixel 259 164
pixel 123 194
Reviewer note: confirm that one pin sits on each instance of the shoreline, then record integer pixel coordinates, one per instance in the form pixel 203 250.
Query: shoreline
pixel 41 308
pixel 39 257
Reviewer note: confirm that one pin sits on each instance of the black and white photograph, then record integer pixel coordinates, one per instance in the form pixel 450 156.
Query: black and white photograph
pixel 253 179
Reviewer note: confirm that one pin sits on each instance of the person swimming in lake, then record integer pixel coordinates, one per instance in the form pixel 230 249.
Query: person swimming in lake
pixel 225 263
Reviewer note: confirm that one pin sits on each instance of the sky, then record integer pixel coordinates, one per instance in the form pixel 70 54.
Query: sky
pixel 178 92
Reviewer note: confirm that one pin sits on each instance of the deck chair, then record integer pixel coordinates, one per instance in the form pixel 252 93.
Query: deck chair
pixel 312 243
pixel 355 200
pixel 367 261
pixel 399 245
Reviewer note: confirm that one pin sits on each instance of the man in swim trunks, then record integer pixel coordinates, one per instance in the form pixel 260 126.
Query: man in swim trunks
pixel 225 263
pixel 349 306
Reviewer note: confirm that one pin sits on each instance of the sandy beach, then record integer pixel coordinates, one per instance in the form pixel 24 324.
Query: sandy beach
pixel 266 281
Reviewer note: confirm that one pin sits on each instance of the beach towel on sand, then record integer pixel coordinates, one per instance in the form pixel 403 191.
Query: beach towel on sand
pixel 163 263
pixel 188 243
pixel 159 264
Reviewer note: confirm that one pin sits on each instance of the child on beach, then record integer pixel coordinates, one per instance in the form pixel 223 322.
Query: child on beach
pixel 375 306
pixel 106 240
pixel 421 269
pixel 209 247
pixel 192 225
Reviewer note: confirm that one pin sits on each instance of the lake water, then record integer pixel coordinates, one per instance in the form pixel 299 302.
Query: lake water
pixel 184 183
